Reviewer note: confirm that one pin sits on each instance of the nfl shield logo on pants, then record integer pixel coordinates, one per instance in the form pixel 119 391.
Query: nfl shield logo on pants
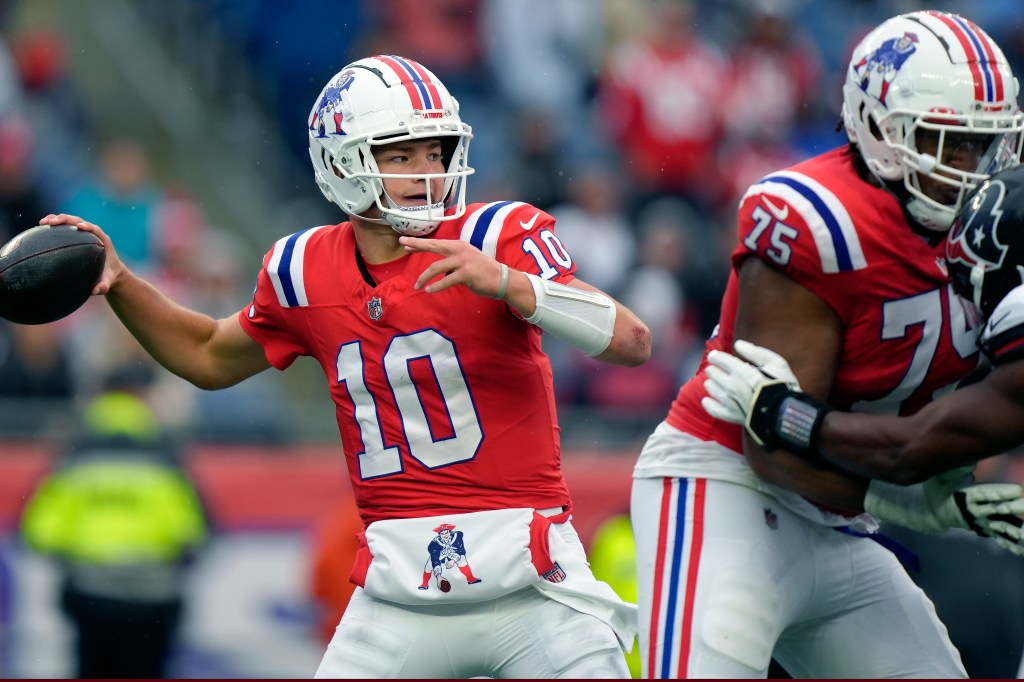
pixel 555 574
pixel 375 308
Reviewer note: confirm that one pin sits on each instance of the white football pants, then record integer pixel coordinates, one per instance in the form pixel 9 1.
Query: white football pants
pixel 728 578
pixel 522 635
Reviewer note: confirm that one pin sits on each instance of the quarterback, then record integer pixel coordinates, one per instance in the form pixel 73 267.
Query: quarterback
pixel 426 317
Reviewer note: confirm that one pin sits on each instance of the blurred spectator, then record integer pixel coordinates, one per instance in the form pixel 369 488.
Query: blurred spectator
pixel 201 266
pixel 774 76
pixel 35 362
pixel 11 98
pixel 179 229
pixel 21 205
pixel 676 283
pixel 123 520
pixel 534 170
pixel 773 91
pixel 661 99
pixel 123 201
pixel 743 162
pixel 334 553
pixel 293 52
pixel 655 287
pixel 593 226
pixel 544 56
pixel 52 103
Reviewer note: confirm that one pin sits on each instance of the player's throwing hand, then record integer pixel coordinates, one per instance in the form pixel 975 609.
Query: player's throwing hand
pixel 461 263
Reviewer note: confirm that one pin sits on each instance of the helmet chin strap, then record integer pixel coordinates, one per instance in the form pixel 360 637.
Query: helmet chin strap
pixel 403 219
pixel 404 224
pixel 977 281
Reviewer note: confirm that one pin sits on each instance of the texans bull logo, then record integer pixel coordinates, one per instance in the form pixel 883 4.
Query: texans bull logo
pixel 976 240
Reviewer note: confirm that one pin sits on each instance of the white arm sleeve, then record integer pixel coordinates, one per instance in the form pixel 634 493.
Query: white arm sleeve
pixel 585 319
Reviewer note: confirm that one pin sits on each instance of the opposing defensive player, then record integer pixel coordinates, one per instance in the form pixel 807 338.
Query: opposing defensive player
pixel 431 349
pixel 985 256
pixel 839 269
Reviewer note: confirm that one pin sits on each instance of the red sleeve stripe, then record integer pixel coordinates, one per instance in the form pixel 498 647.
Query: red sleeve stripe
pixel 981 58
pixel 1002 352
pixel 417 81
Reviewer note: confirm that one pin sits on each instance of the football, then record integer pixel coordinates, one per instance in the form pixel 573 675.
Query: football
pixel 47 273
pixel 444 585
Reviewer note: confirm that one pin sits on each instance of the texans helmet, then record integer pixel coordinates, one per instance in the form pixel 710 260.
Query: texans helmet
pixel 985 246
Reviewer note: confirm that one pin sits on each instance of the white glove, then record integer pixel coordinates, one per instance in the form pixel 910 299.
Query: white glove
pixel 944 502
pixel 734 381
pixel 757 388
pixel 1007 534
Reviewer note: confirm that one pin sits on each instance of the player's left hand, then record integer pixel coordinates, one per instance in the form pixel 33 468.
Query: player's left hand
pixel 460 263
pixel 1007 534
pixel 113 267
pixel 734 382
pixel 740 386
pixel 950 500
pixel 995 510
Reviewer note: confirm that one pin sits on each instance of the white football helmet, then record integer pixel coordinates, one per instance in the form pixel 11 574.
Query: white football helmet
pixel 380 100
pixel 930 78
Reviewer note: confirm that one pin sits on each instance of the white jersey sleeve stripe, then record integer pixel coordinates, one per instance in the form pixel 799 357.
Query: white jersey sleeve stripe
pixel 286 268
pixel 830 223
pixel 483 226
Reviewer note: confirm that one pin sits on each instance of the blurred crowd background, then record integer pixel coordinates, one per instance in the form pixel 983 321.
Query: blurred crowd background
pixel 180 128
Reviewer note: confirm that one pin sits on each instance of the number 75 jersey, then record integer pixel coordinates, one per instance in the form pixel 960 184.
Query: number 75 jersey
pixel 907 338
pixel 444 401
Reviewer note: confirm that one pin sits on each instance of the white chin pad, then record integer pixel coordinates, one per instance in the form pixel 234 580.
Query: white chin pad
pixel 585 319
pixel 415 220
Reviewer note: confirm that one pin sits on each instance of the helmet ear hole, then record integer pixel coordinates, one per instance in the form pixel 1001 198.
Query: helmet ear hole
pixel 355 194
pixel 873 128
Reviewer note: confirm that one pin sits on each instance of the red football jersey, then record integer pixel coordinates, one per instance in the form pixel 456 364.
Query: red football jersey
pixel 906 337
pixel 444 401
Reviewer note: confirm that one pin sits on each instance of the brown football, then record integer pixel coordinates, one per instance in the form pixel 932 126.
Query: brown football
pixel 47 273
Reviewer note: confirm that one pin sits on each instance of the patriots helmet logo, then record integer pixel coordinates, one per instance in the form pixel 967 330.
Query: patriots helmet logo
pixel 878 69
pixel 328 109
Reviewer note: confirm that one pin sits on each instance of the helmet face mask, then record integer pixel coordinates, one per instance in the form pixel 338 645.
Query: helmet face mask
pixel 377 101
pixel 921 86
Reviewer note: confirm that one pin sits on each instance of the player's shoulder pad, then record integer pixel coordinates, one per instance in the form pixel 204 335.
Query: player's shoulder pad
pixel 1002 339
pixel 285 266
pixel 796 197
pixel 484 223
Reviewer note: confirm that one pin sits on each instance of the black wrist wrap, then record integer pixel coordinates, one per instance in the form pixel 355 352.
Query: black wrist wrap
pixel 788 419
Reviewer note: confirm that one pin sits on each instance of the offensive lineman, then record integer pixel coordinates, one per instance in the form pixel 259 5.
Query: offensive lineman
pixel 985 256
pixel 838 268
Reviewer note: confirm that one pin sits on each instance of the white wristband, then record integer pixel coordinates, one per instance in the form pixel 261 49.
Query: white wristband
pixel 503 284
pixel 585 319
